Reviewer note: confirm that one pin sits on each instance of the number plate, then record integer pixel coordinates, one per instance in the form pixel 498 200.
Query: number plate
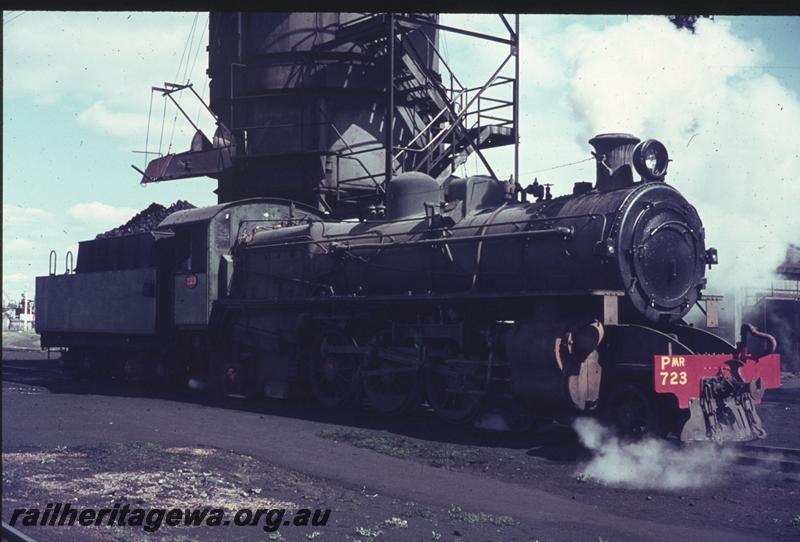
pixel 682 375
pixel 190 281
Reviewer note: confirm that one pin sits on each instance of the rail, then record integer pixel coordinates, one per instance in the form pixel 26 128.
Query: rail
pixel 784 459
pixel 13 535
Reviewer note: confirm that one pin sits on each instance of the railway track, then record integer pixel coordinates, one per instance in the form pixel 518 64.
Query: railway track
pixel 769 457
pixel 10 534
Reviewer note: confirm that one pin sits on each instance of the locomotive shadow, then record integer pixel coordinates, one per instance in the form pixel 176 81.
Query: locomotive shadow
pixel 545 439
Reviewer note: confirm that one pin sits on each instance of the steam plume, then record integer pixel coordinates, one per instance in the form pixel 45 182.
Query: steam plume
pixel 728 128
pixel 650 463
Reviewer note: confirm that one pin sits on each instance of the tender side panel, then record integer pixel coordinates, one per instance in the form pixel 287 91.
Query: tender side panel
pixel 102 302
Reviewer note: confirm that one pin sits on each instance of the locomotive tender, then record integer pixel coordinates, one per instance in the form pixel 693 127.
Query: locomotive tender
pixel 461 295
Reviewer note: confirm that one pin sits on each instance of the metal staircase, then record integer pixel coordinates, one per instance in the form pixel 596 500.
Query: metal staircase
pixel 450 122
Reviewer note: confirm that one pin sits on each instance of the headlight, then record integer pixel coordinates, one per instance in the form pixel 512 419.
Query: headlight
pixel 650 159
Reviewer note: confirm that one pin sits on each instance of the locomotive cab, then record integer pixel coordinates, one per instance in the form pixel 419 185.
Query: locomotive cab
pixel 192 253
pixel 203 240
pixel 190 278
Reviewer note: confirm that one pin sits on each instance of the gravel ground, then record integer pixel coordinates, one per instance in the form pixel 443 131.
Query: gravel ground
pixel 148 475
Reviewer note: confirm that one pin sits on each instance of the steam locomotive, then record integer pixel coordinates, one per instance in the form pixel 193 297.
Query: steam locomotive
pixel 458 296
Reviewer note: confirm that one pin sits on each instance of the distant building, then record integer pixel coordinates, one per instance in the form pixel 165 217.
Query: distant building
pixel 21 318
pixel 790 268
pixel 774 309
pixel 777 310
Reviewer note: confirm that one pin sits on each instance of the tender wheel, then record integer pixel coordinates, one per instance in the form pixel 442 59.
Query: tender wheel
pixel 391 379
pixel 334 370
pixel 455 389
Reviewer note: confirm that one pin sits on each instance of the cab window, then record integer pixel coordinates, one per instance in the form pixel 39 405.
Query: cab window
pixel 190 249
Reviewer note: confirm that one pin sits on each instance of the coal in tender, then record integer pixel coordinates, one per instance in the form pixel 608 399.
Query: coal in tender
pixel 146 220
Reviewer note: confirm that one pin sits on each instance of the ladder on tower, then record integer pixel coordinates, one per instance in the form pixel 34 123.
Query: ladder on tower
pixel 449 122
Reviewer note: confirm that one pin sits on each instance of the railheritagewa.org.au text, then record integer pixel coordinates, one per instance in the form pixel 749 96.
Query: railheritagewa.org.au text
pixel 152 519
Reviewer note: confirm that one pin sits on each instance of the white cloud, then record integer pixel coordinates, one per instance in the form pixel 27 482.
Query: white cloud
pixel 15 277
pixel 647 74
pixel 648 78
pixel 133 127
pixel 115 123
pixel 97 213
pixel 20 246
pixel 103 65
pixel 19 215
pixel 112 56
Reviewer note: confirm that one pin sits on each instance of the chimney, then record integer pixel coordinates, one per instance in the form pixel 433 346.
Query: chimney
pixel 614 156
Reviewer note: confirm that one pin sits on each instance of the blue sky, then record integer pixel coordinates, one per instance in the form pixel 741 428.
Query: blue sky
pixel 76 91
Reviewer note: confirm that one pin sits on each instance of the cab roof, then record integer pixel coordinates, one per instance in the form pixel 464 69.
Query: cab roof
pixel 204 214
